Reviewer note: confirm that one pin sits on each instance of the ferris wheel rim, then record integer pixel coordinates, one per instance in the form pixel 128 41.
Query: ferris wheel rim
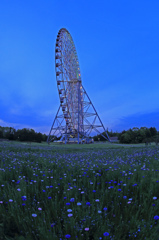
pixel 67 59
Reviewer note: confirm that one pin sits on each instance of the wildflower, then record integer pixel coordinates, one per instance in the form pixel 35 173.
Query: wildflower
pixel 154 198
pixel 130 199
pixel 49 197
pixel 82 192
pixel 106 234
pixel 97 200
pixel 88 203
pixel 94 191
pixel 34 215
pixel 69 210
pixel 125 197
pixel 129 202
pixel 24 198
pixel 99 211
pixel 18 189
pixel 1 201
pixel 72 200
pixel 156 217
pixel 10 200
pixel 67 236
pixel 70 215
pixel 105 209
pixel 119 189
pixel 67 203
pixel 39 209
pixel 86 229
pixel 79 204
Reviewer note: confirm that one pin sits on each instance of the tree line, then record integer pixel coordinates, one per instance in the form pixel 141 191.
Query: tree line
pixel 134 135
pixel 25 134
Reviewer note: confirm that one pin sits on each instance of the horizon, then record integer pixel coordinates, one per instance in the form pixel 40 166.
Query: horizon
pixel 118 52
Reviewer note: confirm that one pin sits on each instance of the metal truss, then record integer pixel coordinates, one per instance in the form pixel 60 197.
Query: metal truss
pixel 91 123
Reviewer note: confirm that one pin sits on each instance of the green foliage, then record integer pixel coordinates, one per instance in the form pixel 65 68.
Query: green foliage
pixel 24 134
pixel 39 167
pixel 136 135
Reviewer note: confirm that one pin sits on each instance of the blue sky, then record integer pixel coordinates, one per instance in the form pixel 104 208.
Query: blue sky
pixel 118 51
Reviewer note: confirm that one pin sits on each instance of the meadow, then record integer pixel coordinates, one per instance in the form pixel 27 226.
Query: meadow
pixel 94 191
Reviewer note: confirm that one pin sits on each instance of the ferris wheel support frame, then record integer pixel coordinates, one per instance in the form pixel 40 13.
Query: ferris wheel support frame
pixel 90 126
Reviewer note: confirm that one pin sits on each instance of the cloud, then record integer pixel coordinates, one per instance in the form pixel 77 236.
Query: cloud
pixel 150 119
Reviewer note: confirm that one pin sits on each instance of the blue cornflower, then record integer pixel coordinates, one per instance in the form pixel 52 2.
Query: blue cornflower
pixel 104 208
pixel 125 197
pixel 72 200
pixel 106 234
pixel 156 217
pixel 88 203
pixel 67 236
pixel 94 191
pixel 64 197
pixel 49 197
pixel 119 189
pixel 34 215
pixel 24 198
pixel 67 203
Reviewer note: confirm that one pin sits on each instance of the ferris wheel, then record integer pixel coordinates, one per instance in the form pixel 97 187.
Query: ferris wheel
pixel 74 101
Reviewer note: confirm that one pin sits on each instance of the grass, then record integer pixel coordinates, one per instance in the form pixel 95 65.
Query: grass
pixel 94 191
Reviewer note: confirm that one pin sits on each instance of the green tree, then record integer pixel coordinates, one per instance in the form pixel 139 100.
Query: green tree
pixel 153 131
pixel 125 138
pixel 38 137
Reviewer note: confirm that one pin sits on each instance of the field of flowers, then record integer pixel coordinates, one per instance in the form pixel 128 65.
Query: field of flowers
pixel 86 192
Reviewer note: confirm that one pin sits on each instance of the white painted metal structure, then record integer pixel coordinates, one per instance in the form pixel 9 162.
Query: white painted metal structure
pixel 78 117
